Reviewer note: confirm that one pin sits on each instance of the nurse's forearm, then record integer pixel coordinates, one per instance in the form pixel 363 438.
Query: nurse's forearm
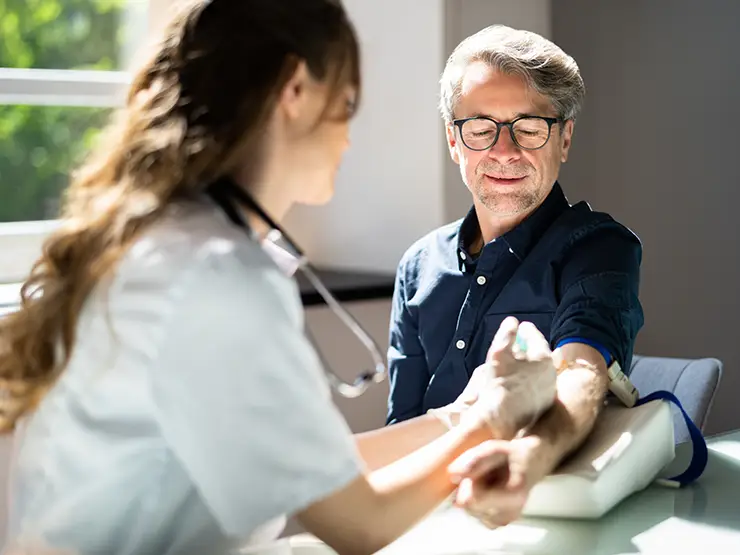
pixel 379 448
pixel 373 511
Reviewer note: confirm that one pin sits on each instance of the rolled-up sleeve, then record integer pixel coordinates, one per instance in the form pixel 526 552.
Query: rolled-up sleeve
pixel 407 367
pixel 599 292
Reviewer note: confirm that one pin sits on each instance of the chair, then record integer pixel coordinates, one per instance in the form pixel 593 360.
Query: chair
pixel 694 382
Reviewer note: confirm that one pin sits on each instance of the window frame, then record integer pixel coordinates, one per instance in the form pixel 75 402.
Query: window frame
pixel 21 242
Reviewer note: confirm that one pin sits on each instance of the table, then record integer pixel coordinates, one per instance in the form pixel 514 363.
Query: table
pixel 345 285
pixel 703 518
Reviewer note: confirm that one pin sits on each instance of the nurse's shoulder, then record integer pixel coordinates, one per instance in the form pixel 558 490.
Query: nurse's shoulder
pixel 195 249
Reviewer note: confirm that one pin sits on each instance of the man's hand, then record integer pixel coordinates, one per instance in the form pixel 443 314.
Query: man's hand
pixel 496 477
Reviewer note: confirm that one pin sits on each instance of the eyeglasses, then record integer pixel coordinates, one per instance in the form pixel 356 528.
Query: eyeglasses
pixel 223 191
pixel 527 132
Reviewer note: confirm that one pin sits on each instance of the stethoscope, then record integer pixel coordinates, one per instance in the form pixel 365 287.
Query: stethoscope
pixel 224 192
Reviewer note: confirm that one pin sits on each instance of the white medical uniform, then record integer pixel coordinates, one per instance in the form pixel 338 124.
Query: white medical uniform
pixel 193 413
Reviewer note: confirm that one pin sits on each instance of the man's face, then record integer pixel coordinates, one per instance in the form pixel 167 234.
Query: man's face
pixel 505 179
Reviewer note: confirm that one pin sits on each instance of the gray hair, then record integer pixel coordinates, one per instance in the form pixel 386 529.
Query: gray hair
pixel 543 65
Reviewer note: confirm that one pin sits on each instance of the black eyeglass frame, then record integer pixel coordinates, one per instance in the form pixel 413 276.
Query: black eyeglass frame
pixel 458 123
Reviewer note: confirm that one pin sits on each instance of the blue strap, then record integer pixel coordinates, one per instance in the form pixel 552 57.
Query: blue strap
pixel 608 358
pixel 700 456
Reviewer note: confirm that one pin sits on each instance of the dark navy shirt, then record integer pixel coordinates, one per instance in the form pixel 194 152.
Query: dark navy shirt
pixel 571 271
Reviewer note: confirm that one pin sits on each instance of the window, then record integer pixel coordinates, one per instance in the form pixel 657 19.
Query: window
pixel 62 70
pixel 39 145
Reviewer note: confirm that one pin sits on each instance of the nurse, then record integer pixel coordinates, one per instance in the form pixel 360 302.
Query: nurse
pixel 163 395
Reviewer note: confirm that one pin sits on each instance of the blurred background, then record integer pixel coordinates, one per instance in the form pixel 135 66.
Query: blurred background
pixel 656 146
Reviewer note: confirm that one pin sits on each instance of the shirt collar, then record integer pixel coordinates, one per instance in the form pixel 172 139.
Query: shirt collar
pixel 523 237
pixel 469 231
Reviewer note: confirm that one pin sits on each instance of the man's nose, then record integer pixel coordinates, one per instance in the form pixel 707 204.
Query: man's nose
pixel 505 150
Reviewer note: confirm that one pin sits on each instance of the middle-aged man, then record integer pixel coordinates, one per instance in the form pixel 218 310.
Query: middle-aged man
pixel 509 100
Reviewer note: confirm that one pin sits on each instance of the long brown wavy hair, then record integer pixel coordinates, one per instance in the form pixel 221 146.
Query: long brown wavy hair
pixel 193 112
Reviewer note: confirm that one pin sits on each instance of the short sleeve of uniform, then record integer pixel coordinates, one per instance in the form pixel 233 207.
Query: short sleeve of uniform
pixel 241 397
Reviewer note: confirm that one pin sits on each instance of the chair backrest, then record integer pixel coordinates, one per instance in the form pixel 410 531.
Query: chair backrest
pixel 694 382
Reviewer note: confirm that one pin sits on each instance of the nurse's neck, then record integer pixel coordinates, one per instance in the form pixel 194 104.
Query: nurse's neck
pixel 271 198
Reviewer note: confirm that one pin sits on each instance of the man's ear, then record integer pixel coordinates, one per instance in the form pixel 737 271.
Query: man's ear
pixel 566 139
pixel 452 143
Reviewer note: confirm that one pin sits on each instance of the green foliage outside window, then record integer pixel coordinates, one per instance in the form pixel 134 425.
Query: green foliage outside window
pixel 39 145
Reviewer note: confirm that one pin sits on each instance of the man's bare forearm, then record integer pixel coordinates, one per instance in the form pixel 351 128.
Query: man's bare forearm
pixel 581 389
pixel 564 427
pixel 580 394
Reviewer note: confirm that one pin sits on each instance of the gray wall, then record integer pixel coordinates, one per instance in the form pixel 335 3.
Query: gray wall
pixel 657 146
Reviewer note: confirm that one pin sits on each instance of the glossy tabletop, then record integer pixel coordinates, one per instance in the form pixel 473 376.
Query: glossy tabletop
pixel 701 518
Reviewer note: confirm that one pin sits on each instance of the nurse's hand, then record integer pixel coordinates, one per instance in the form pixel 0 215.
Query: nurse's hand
pixel 495 478
pixel 515 385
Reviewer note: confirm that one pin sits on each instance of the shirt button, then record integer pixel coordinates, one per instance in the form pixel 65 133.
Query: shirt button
pixel 481 280
pixel 462 256
pixel 460 344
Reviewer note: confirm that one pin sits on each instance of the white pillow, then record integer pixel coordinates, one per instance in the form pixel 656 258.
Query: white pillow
pixel 624 453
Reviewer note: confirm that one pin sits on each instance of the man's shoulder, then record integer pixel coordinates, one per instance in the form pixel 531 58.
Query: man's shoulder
pixel 443 238
pixel 580 221
pixel 589 238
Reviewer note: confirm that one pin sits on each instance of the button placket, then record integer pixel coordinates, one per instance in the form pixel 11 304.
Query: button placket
pixel 476 294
